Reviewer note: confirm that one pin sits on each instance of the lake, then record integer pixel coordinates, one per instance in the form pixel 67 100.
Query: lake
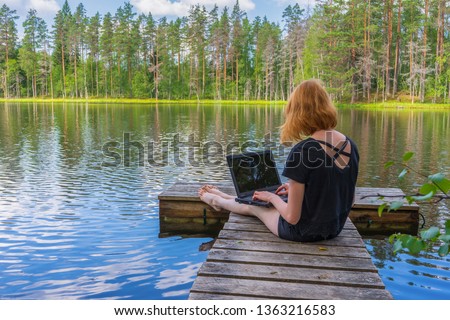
pixel 79 216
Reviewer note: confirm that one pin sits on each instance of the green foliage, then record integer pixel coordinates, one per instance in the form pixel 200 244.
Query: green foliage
pixel 407 156
pixel 435 187
pixel 222 54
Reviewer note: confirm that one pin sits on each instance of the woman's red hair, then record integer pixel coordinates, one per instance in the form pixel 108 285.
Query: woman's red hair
pixel 308 110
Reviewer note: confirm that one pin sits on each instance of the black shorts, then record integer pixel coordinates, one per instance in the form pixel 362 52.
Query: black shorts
pixel 292 232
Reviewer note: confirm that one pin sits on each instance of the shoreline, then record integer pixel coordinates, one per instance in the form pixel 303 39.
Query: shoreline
pixel 373 105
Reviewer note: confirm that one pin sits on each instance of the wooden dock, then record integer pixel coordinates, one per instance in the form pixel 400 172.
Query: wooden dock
pixel 249 262
pixel 182 212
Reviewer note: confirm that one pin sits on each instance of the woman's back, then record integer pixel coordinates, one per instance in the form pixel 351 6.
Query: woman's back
pixel 329 172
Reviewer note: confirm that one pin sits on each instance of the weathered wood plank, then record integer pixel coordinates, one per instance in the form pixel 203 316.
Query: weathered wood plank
pixel 292 247
pixel 170 228
pixel 237 218
pixel 188 209
pixel 287 259
pixel 245 235
pixel 362 201
pixel 257 227
pixel 369 222
pixel 291 274
pixel 187 191
pixel 181 201
pixel 273 289
pixel 391 217
pixel 218 296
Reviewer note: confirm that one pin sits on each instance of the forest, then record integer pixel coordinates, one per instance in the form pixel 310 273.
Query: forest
pixel 363 51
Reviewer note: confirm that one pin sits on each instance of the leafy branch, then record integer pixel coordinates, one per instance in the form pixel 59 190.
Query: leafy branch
pixel 436 188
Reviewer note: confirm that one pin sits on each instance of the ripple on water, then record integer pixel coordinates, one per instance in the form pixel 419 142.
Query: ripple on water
pixel 426 276
pixel 71 228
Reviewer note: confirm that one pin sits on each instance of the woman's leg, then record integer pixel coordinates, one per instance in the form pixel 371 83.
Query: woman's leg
pixel 269 216
pixel 214 190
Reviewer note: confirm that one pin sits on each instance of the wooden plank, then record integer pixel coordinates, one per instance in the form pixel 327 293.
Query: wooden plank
pixel 188 191
pixel 181 200
pixel 257 227
pixel 245 235
pixel 237 218
pixel 391 217
pixel 292 247
pixel 273 289
pixel 287 259
pixel 362 201
pixel 290 274
pixel 369 222
pixel 188 209
pixel 188 228
pixel 217 296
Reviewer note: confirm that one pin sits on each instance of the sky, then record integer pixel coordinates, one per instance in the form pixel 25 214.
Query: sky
pixel 47 9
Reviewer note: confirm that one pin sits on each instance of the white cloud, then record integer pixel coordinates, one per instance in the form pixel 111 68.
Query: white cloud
pixel 43 7
pixel 181 7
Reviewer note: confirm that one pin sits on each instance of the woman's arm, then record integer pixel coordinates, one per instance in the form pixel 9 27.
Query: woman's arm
pixel 291 211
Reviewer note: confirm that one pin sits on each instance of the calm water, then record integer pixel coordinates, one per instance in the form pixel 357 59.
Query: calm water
pixel 71 227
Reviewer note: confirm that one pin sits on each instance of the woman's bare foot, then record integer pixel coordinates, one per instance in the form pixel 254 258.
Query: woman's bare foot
pixel 208 198
pixel 214 190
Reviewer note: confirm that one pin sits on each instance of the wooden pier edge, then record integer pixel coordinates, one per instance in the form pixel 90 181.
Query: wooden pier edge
pixel 181 211
pixel 249 262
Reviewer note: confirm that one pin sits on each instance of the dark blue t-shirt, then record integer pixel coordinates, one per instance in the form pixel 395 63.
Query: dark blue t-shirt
pixel 329 191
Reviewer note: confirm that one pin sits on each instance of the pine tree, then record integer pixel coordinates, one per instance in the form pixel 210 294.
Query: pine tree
pixel 107 52
pixel 28 56
pixel 61 44
pixel 93 47
pixel 8 39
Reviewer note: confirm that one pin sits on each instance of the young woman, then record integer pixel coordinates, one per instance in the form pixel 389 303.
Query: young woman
pixel 322 170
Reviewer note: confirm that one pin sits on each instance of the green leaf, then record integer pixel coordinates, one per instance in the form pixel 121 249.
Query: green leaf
pixel 403 173
pixel 443 250
pixel 395 205
pixel 444 185
pixel 389 164
pixel 381 208
pixel 438 177
pixel 405 239
pixel 407 156
pixel 416 245
pixel 423 198
pixel 397 246
pixel 444 237
pixel 430 233
pixel 440 180
pixel 447 227
pixel 427 188
pixel 393 237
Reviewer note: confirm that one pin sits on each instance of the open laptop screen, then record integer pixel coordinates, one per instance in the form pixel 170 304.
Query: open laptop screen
pixel 253 171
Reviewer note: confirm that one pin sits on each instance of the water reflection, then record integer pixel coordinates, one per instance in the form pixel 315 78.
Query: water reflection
pixel 72 228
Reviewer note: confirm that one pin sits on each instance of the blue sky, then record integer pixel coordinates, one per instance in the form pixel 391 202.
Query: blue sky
pixel 46 9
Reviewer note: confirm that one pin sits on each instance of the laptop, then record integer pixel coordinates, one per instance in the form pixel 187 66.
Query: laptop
pixel 254 171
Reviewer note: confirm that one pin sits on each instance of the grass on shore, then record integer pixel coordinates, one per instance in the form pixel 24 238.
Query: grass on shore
pixel 373 105
pixel 395 105
pixel 142 101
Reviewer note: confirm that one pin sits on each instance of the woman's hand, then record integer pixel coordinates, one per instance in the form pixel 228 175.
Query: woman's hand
pixel 263 196
pixel 283 189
